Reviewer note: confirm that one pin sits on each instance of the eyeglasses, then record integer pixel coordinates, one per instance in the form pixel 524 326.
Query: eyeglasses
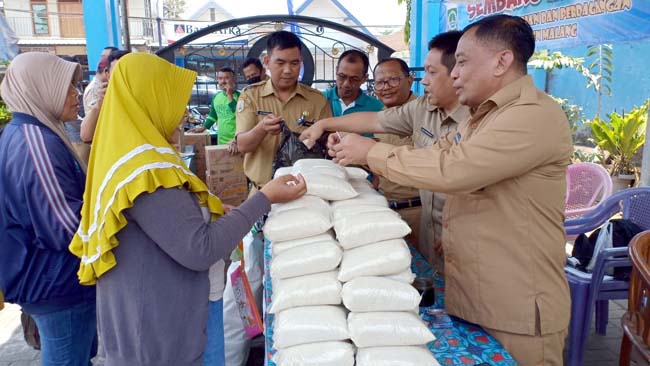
pixel 352 79
pixel 388 83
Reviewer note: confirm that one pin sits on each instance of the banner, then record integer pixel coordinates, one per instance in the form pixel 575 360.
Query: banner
pixel 175 30
pixel 561 23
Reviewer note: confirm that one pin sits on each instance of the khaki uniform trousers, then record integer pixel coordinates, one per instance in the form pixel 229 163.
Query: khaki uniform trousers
pixel 412 217
pixel 528 350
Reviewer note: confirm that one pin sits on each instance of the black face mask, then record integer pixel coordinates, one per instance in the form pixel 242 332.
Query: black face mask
pixel 254 79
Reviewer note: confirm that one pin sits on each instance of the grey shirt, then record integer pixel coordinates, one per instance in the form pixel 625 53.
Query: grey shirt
pixel 152 307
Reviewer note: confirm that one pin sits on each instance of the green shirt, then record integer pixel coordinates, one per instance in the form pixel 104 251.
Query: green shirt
pixel 222 111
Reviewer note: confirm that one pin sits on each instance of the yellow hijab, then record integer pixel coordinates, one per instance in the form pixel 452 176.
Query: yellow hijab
pixel 144 104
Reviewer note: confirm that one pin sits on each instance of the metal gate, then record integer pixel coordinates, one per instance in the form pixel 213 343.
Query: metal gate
pixel 238 39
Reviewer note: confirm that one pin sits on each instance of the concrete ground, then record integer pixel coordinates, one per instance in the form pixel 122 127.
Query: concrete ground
pixel 15 352
pixel 601 350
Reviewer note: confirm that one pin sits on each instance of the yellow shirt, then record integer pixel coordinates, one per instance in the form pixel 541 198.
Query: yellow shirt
pixel 425 124
pixel 262 97
pixel 503 232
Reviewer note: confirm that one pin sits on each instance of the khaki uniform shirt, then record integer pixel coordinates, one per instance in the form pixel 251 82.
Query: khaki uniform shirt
pixel 425 124
pixel 503 221
pixel 392 191
pixel 258 165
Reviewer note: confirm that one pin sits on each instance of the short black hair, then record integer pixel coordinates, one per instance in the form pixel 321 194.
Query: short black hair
pixel 282 40
pixel 446 43
pixel 253 61
pixel 355 56
pixel 116 55
pixel 512 32
pixel 227 69
pixel 402 65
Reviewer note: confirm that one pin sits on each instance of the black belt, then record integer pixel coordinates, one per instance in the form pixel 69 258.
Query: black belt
pixel 398 205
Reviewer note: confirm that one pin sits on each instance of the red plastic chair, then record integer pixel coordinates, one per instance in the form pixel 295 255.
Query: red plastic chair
pixel 588 184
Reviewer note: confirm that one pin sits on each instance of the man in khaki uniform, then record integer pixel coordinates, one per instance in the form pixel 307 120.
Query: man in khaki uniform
pixel 393 88
pixel 426 119
pixel 258 134
pixel 505 175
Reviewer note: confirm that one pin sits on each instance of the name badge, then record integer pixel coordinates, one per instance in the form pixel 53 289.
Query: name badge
pixel 428 133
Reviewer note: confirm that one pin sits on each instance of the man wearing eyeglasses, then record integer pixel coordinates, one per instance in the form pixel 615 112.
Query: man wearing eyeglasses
pixel 393 88
pixel 428 120
pixel 347 97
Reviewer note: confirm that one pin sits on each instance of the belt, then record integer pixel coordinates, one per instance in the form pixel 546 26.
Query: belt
pixel 398 205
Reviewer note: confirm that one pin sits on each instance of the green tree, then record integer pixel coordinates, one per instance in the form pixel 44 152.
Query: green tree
pixel 557 60
pixel 601 67
pixel 407 21
pixel 598 73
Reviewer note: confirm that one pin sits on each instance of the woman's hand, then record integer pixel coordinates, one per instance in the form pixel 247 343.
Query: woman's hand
pixel 285 188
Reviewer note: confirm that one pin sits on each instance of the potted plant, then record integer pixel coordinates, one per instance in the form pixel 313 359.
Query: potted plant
pixel 621 136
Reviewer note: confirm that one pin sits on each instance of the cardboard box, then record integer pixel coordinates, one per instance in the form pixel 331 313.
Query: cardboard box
pixel 227 192
pixel 200 141
pixel 219 161
pixel 225 175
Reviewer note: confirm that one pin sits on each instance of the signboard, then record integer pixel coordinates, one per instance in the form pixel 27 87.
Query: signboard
pixel 562 23
pixel 230 36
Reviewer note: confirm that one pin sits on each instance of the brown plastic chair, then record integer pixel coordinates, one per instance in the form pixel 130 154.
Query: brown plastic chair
pixel 636 321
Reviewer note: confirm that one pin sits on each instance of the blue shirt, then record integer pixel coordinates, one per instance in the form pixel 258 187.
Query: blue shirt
pixel 41 190
pixel 364 103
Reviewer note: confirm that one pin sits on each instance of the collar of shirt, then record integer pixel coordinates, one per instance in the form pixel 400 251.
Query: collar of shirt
pixel 235 93
pixel 362 99
pixel 268 89
pixel 458 115
pixel 522 89
pixel 346 107
pixel 412 97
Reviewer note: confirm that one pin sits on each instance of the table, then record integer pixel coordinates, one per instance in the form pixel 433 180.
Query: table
pixel 461 344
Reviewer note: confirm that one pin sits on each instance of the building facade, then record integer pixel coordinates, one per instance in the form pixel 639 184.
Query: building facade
pixel 57 26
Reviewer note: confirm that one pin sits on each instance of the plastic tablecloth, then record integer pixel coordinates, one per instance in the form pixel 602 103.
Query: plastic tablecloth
pixel 460 343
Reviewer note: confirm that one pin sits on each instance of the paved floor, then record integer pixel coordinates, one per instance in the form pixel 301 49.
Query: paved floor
pixel 601 350
pixel 13 349
pixel 604 350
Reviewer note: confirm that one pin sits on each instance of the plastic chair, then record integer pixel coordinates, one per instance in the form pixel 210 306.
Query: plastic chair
pixel 587 185
pixel 636 321
pixel 594 290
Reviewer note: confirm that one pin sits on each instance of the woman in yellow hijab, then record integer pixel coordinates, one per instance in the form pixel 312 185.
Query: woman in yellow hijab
pixel 149 229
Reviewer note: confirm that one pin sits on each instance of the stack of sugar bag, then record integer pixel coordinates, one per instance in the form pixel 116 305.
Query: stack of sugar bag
pixel 310 326
pixel 383 321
